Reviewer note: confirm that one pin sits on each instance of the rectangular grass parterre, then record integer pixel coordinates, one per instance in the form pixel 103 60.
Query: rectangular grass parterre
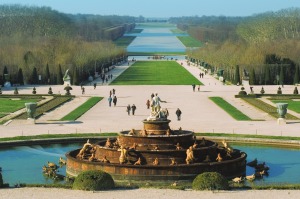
pixel 156 73
pixel 231 110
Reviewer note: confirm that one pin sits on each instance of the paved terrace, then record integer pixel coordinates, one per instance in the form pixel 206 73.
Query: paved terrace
pixel 199 113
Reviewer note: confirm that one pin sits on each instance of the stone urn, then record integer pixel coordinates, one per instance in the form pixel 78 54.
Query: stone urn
pixel 282 109
pixel 30 109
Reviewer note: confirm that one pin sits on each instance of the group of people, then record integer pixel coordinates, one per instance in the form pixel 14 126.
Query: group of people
pixel 112 97
pixel 201 75
pixel 106 78
pixel 131 109
pixel 194 87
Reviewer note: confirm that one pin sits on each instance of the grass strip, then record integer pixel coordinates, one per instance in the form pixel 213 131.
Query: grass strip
pixel 47 106
pixel 189 41
pixel 124 41
pixel 231 110
pixel 51 136
pixel 13 104
pixel 271 110
pixel 156 73
pixel 79 111
pixel 293 105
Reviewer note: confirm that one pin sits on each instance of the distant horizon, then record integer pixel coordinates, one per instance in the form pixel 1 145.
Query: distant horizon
pixel 159 9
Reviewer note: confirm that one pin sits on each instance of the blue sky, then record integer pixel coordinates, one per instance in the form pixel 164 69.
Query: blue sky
pixel 162 8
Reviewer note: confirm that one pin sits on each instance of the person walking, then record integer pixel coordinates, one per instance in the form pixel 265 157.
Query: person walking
pixel 133 108
pixel 115 100
pixel 109 100
pixel 178 113
pixel 128 108
pixel 194 86
pixel 95 85
pixel 148 104
pixel 83 90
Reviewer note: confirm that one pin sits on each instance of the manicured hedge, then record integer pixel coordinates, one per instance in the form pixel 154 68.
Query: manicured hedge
pixel 93 181
pixel 210 181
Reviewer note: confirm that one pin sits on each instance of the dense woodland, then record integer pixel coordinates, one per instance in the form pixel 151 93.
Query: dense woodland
pixel 41 41
pixel 266 45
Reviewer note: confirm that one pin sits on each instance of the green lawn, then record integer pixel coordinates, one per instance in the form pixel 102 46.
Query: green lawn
pixel 79 111
pixel 10 105
pixel 189 41
pixel 156 73
pixel 293 105
pixel 231 110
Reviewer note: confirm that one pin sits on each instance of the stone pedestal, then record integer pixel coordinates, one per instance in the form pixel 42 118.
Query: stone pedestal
pixel 67 82
pixel 30 121
pixel 30 109
pixel 281 121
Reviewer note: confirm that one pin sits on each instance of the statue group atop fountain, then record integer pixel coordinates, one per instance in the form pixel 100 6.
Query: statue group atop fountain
pixel 157 112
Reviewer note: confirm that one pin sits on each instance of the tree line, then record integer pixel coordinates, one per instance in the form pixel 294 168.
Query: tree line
pixel 42 41
pixel 265 45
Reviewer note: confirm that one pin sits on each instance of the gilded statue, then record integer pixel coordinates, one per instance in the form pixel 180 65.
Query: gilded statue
pixel 219 158
pixel 189 155
pixel 123 156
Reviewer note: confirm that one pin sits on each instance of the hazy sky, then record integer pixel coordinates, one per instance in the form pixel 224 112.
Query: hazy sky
pixel 162 8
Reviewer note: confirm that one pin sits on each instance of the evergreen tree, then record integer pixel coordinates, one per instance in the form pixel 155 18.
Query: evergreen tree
pixel 237 79
pixel 1 80
pixel 252 78
pixel 5 71
pixel 59 77
pixel 267 75
pixel 47 77
pixel 20 78
pixel 75 79
pixel 281 76
pixel 296 76
pixel 34 76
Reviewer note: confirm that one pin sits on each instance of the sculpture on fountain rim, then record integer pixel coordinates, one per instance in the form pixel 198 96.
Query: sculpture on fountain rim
pixel 157 112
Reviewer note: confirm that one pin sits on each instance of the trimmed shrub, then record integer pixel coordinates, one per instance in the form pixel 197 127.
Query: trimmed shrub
pixel 279 91
pixel 16 92
pixel 262 91
pixel 295 92
pixel 242 91
pixel 34 90
pixel 93 181
pixel 210 181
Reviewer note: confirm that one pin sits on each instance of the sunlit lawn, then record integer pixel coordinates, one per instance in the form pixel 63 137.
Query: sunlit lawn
pixel 293 105
pixel 189 41
pixel 231 110
pixel 156 73
pixel 11 105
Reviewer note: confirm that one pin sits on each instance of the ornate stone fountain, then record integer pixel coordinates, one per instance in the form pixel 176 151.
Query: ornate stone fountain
pixel 157 153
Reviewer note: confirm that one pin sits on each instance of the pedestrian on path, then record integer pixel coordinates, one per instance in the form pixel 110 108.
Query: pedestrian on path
pixel 113 91
pixel 133 108
pixel 199 88
pixel 148 104
pixel 82 90
pixel 178 113
pixel 128 108
pixel 95 85
pixel 115 100
pixel 109 101
pixel 194 86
